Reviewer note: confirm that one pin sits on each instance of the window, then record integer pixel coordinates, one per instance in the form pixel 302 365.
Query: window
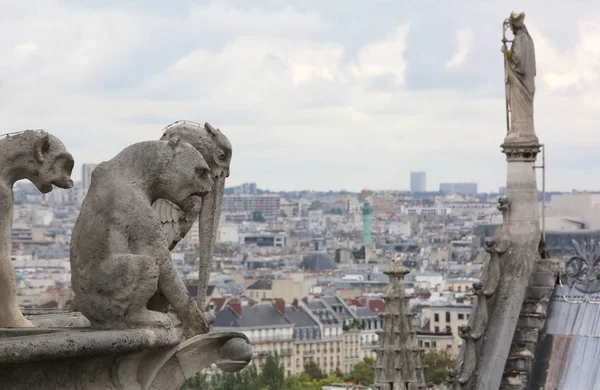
pixel 420 343
pixel 298 363
pixel 437 329
pixel 426 344
pixel 468 316
pixel 448 329
pixel 461 316
pixel 436 317
pixel 448 346
pixel 447 316
pixel 434 344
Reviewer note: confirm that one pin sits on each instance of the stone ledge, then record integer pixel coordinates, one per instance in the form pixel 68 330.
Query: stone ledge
pixel 20 345
pixel 75 358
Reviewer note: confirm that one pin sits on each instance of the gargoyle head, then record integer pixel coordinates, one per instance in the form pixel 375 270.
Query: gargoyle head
pixel 188 175
pixel 210 142
pixel 52 163
pixel 490 245
pixel 464 331
pixel 503 203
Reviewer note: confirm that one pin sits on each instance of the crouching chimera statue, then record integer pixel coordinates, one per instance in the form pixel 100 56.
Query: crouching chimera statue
pixel 119 255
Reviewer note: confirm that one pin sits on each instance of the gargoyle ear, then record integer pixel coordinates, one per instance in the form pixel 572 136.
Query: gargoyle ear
pixel 173 142
pixel 42 145
pixel 210 129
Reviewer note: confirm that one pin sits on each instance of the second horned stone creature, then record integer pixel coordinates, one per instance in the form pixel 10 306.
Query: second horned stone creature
pixel 216 151
pixel 119 255
pixel 44 160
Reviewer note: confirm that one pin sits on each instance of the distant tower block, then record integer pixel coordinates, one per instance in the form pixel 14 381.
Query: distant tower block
pixel 398 364
pixel 367 212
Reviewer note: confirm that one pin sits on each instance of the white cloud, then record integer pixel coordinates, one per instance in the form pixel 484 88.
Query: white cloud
pixel 578 67
pixel 298 105
pixel 465 43
pixel 384 56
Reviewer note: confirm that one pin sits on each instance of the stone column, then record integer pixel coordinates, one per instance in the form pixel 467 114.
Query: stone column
pixel 519 237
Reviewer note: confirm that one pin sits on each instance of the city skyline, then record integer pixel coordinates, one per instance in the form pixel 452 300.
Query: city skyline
pixel 334 94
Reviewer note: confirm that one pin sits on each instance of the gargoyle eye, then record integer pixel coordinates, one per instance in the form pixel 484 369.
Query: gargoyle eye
pixel 222 157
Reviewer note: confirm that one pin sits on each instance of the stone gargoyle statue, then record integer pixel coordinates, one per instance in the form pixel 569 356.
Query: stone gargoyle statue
pixel 119 255
pixel 41 158
pixel 216 150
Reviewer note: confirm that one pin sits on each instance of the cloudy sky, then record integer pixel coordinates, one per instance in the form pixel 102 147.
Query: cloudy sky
pixel 313 94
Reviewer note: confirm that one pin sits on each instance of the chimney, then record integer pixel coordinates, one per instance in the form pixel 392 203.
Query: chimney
pixel 295 303
pixel 280 305
pixel 237 307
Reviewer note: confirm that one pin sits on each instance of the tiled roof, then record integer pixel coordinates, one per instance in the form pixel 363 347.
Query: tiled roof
pixel 568 351
pixel 261 284
pixel 299 317
pixel 257 316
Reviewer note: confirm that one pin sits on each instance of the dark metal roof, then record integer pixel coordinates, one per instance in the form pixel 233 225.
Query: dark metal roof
pixel 318 261
pixel 338 307
pixel 568 352
pixel 364 312
pixel 261 284
pixel 261 315
pixel 299 317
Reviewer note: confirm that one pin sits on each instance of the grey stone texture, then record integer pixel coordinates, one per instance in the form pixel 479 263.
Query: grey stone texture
pixel 119 255
pixel 398 365
pixel 514 250
pixel 216 151
pixel 80 359
pixel 520 70
pixel 43 159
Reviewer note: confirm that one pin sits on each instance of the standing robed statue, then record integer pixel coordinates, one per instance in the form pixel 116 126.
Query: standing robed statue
pixel 519 65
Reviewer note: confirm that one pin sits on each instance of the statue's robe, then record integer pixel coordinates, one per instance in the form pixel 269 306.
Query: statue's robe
pixel 520 87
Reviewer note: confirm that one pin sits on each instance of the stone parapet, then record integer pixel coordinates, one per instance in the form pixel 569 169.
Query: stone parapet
pixel 80 358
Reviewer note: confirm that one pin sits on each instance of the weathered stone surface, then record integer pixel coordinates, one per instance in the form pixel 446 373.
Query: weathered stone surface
pixel 42 159
pixel 515 246
pixel 398 365
pixel 80 359
pixel 119 256
pixel 520 68
pixel 216 150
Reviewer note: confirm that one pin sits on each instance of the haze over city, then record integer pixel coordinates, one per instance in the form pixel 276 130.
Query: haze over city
pixel 312 95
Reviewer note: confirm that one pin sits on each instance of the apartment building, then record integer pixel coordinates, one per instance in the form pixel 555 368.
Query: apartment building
pixel 266 325
pixel 445 319
pixel 314 340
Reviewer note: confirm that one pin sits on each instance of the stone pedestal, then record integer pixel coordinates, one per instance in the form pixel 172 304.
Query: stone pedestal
pixel 75 358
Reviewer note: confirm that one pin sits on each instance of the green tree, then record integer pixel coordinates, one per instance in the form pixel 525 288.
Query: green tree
pixel 362 373
pixel 338 373
pixel 272 375
pixel 436 364
pixel 313 370
pixel 257 216
pixel 199 381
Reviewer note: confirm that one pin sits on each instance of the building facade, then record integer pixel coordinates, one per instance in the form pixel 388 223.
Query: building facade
pixel 418 181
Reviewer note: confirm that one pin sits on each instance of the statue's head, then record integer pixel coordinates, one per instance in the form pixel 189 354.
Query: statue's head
pixel 52 164
pixel 185 174
pixel 210 142
pixel 517 21
pixel 216 150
